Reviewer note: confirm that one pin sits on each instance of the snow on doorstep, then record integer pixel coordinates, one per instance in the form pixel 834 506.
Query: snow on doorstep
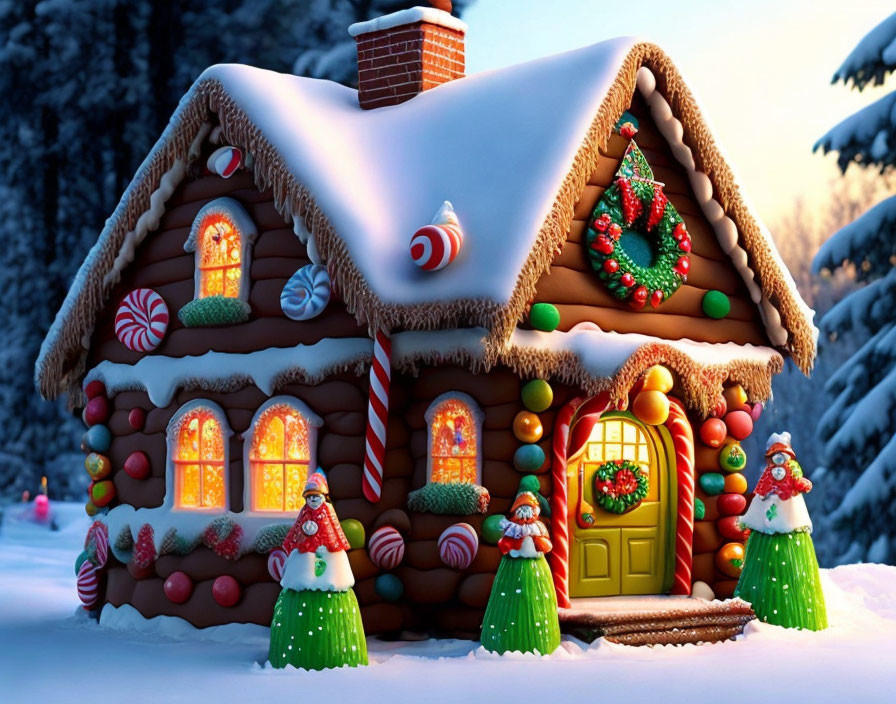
pixel 51 649
pixel 496 144
pixel 409 16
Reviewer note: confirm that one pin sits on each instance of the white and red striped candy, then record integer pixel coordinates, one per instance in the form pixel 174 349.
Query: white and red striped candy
pixel 435 246
pixel 142 320
pixel 98 534
pixel 458 545
pixel 377 417
pixel 386 547
pixel 276 562
pixel 88 584
pixel 225 161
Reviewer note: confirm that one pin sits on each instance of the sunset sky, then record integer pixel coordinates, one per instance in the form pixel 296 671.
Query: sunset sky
pixel 761 70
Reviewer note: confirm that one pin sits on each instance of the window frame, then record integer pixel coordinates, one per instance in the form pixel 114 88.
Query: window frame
pixel 478 419
pixel 172 433
pixel 248 232
pixel 314 423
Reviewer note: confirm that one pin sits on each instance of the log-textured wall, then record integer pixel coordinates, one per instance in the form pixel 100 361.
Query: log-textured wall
pixel 574 287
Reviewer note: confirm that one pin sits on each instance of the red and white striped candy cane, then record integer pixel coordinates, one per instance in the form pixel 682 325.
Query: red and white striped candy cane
pixel 683 441
pixel 559 555
pixel 377 417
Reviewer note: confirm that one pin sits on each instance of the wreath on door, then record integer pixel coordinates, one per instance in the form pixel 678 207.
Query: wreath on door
pixel 619 486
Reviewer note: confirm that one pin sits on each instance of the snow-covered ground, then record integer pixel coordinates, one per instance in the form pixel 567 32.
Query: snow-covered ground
pixel 50 652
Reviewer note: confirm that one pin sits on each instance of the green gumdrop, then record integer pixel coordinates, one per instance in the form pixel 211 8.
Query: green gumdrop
pixel 699 509
pixel 716 304
pixel 732 458
pixel 544 317
pixel 528 458
pixel 388 587
pixel 491 529
pixel 529 483
pixel 537 395
pixel 712 483
pixel 80 560
pixel 354 532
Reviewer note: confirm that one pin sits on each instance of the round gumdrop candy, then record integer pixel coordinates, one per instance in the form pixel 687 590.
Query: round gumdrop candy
pixel 226 590
pixel 98 466
pixel 96 410
pixel 98 438
pixel 731 504
pixel 102 493
pixel 537 395
pixel 756 410
pixel 527 427
pixel 90 508
pixel 730 559
pixel 730 528
pixel 732 458
pixel 739 424
pixel 699 509
pixel 528 458
pixel 95 388
pixel 735 483
pixel 712 483
pixel 713 432
pixel 388 587
pixel 658 378
pixel 716 304
pixel 735 397
pixel 137 418
pixel 178 587
pixel 386 547
pixel 458 546
pixel 354 532
pixel 651 407
pixel 491 528
pixel 544 317
pixel 137 465
pixel 530 483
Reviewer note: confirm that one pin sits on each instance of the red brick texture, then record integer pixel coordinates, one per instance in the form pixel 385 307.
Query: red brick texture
pixel 396 64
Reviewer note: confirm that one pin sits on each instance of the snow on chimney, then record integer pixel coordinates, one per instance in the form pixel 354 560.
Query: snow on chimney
pixel 406 52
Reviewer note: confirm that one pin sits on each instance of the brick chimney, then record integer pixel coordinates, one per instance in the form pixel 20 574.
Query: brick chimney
pixel 406 52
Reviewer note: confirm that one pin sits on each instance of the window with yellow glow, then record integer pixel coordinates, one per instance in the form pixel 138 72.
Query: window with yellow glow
pixel 455 428
pixel 617 439
pixel 280 449
pixel 199 460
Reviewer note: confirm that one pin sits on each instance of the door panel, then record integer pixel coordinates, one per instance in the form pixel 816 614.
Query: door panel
pixel 597 560
pixel 642 570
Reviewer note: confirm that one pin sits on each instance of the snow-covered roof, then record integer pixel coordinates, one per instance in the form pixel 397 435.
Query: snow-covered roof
pixel 511 149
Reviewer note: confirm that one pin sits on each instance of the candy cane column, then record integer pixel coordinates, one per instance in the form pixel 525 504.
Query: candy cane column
pixel 377 417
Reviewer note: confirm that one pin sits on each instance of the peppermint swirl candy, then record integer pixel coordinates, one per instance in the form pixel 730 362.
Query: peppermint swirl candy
pixel 307 293
pixel 142 320
pixel 309 528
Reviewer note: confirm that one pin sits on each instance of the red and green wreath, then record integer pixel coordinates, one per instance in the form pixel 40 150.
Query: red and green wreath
pixel 635 202
pixel 619 486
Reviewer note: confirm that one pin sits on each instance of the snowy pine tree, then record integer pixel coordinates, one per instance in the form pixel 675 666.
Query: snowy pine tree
pixel 86 87
pixel 858 428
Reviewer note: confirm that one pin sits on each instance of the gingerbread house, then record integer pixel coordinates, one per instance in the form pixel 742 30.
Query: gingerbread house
pixel 594 312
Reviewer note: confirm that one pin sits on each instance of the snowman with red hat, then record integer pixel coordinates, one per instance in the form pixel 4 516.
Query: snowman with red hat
pixel 317 621
pixel 780 576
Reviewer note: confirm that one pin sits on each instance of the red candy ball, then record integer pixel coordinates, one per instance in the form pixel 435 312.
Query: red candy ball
pixel 137 465
pixel 713 432
pixel 656 298
pixel 611 266
pixel 96 411
pixel 95 388
pixel 730 530
pixel 137 418
pixel 739 424
pixel 627 280
pixel 615 230
pixel 226 590
pixel 600 224
pixel 721 408
pixel 685 245
pixel 178 587
pixel 683 265
pixel 731 504
pixel 603 244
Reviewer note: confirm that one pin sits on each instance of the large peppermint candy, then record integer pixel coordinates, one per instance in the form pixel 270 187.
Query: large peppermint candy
pixel 225 161
pixel 386 547
pixel 276 563
pixel 458 545
pixel 88 584
pixel 307 293
pixel 435 246
pixel 97 543
pixel 141 320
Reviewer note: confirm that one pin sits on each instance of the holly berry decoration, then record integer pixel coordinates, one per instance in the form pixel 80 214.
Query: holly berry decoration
pixel 636 204
pixel 619 486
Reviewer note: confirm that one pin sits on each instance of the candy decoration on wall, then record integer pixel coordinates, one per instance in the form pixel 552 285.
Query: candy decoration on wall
pixel 225 537
pixel 88 585
pixel 178 587
pixel 144 556
pixel 458 546
pixel 377 417
pixel 96 544
pixel 142 320
pixel 307 293
pixel 544 317
pixel 679 428
pixel 388 587
pixel 620 486
pixel 98 466
pixel 225 161
pixel 102 493
pixel 527 427
pixel 716 304
pixel 137 418
pixel 739 424
pixel 435 246
pixel 651 407
pixel 713 432
pixel 137 465
pixel 528 458
pixel 386 547
pixel 276 561
pixel 96 411
pixel 95 388
pixel 537 395
pixel 226 591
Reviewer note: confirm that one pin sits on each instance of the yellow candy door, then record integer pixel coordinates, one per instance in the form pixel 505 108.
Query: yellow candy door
pixel 631 553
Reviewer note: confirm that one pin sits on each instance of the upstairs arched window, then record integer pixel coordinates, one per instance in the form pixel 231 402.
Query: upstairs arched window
pixel 280 451
pixel 455 439
pixel 198 436
pixel 222 235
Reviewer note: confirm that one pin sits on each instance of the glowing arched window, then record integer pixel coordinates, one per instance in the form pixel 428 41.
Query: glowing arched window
pixel 221 235
pixel 280 451
pixel 455 438
pixel 617 438
pixel 197 440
